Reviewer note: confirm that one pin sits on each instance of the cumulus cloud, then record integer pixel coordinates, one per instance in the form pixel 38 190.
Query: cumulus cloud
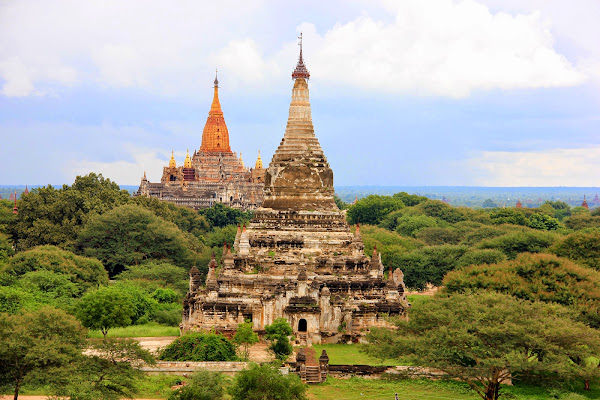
pixel 432 47
pixel 556 167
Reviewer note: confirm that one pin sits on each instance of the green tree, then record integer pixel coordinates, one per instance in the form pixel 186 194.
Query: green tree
pixel 486 338
pixel 106 308
pixel 245 337
pixel 528 241
pixel 185 218
pixel 582 221
pixel 163 274
pixel 265 382
pixel 55 216
pixel 544 222
pixel 542 277
pixel 442 211
pixel 342 205
pixel 582 247
pixel 372 209
pixel 129 235
pixel 489 203
pixel 410 200
pixel 410 225
pixel 87 272
pixel 509 216
pixel 197 346
pixel 436 236
pixel 105 371
pixel 219 215
pixel 37 346
pixel 278 333
pixel 202 385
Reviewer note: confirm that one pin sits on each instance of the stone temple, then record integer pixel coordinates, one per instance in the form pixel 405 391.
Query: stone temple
pixel 297 258
pixel 212 174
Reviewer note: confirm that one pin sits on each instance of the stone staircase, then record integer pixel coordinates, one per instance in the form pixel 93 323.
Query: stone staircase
pixel 313 374
pixel 310 369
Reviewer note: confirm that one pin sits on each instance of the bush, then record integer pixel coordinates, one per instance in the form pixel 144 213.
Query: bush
pixel 165 274
pixel 265 382
pixel 372 209
pixel 409 225
pixel 203 385
pixel 196 346
pixel 278 333
pixel 529 241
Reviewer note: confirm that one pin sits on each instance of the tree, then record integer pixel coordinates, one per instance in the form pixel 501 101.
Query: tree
pixel 372 209
pixel 202 385
pixel 106 308
pixel 489 203
pixel 509 216
pixel 265 382
pixel 129 235
pixel 485 338
pixel 245 337
pixel 164 274
pixel 531 277
pixel 409 225
pixel 198 346
pixel 37 346
pixel 582 221
pixel 105 371
pixel 87 272
pixel 582 247
pixel 544 222
pixel 219 215
pixel 527 241
pixel 410 200
pixel 55 216
pixel 278 333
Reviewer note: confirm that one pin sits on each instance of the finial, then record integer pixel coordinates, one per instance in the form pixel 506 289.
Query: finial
pixel 300 71
pixel 144 174
pixel 15 209
pixel 216 79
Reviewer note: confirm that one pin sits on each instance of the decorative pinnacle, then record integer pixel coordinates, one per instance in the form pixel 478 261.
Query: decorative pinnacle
pixel 301 71
pixel 216 80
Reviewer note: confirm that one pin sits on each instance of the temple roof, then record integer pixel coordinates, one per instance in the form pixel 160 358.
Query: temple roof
pixel 172 163
pixel 215 137
pixel 301 71
pixel 259 163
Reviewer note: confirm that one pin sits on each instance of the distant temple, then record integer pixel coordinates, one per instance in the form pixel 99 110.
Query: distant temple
pixel 212 174
pixel 297 259
pixel 585 203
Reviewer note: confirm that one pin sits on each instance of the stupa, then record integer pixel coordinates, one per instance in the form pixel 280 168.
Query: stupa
pixel 213 174
pixel 297 258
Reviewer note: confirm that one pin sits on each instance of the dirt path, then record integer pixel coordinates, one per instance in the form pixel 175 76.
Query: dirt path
pixel 311 356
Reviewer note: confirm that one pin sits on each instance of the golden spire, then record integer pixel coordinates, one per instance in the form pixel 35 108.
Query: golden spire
pixel 215 137
pixel 188 161
pixel 241 161
pixel 259 163
pixel 172 163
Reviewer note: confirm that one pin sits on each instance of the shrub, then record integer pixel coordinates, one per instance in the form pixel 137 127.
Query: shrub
pixel 196 346
pixel 521 242
pixel 265 382
pixel 278 333
pixel 203 385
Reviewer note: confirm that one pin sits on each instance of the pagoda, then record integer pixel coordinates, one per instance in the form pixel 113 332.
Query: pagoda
pixel 213 174
pixel 298 258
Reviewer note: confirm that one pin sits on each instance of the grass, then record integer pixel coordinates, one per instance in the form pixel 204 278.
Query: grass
pixel 145 330
pixel 349 354
pixel 418 298
pixel 424 389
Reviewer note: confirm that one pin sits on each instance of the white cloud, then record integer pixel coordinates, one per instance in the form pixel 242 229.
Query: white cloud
pixel 123 172
pixel 433 47
pixel 556 167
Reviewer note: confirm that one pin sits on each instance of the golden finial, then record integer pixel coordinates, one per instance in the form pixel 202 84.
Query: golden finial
pixel 172 163
pixel 241 161
pixel 259 163
pixel 188 161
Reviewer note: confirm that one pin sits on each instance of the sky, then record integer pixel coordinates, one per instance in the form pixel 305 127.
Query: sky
pixel 404 92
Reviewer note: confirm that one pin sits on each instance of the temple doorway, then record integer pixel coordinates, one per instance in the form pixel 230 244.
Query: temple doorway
pixel 302 325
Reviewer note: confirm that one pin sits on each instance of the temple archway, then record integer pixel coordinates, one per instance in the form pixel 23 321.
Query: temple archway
pixel 302 325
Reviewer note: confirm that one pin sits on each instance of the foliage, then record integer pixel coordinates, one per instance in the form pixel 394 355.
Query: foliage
pixel 37 346
pixel 582 246
pixel 151 329
pixel 484 338
pixel 219 215
pixel 278 333
pixel 106 308
pixel 105 371
pixel 410 200
pixel 544 222
pixel 509 216
pixel 196 346
pixel 129 235
pixel 542 277
pixel 429 264
pixel 485 256
pixel 164 274
pixel 372 209
pixel 435 236
pixel 14 300
pixel 582 221
pixel 87 272
pixel 55 216
pixel 528 241
pixel 245 337
pixel 442 211
pixel 409 225
pixel 342 205
pixel 489 203
pixel 165 295
pixel 202 385
pixel 265 382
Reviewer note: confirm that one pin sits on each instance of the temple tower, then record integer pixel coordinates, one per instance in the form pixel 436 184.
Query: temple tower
pixel 215 137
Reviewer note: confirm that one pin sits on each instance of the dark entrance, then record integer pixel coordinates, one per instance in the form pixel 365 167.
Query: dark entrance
pixel 302 325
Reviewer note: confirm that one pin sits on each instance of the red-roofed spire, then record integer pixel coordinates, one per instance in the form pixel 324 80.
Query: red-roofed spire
pixel 585 204
pixel 15 209
pixel 301 71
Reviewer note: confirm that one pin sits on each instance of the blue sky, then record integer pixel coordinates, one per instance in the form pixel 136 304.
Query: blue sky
pixel 405 92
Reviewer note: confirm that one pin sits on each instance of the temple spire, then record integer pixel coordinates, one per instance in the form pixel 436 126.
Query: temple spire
pixel 172 163
pixel 188 161
pixel 215 137
pixel 301 71
pixel 15 208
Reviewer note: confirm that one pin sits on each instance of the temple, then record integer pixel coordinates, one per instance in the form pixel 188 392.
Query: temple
pixel 212 174
pixel 298 258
